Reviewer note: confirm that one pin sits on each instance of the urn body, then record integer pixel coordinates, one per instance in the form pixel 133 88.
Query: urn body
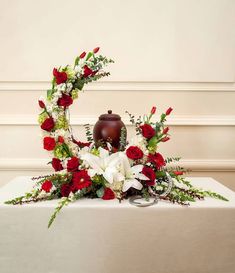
pixel 108 129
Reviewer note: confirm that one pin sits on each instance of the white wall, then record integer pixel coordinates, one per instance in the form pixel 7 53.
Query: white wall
pixel 177 53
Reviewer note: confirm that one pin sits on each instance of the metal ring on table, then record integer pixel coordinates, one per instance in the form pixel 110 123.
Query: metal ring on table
pixel 132 200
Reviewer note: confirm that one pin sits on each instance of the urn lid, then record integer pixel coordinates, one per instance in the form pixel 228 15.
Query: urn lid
pixel 110 116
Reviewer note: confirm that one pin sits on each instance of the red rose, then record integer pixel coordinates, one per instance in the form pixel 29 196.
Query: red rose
pixel 165 130
pixel 41 104
pixel 87 71
pixel 65 100
pixel 56 164
pixel 178 172
pixel 95 50
pixel 149 172
pixel 49 143
pixel 82 55
pixel 108 194
pixel 46 186
pixel 72 165
pixel 48 124
pixel 65 190
pixel 81 180
pixel 165 139
pixel 168 111
pixel 60 77
pixel 60 139
pixel 134 152
pixel 147 131
pixel 153 111
pixel 157 159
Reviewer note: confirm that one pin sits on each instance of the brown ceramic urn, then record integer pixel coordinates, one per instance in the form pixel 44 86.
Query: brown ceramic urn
pixel 108 129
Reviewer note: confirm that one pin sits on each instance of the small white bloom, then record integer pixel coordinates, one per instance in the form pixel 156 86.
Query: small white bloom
pixel 61 87
pixel 140 142
pixel 78 70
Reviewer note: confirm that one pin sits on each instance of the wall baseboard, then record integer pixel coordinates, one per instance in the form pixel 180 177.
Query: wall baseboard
pixel 38 164
pixel 126 86
pixel 188 120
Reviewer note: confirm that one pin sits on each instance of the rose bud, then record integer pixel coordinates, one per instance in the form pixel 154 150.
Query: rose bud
pixel 60 139
pixel 178 173
pixel 41 104
pixel 165 139
pixel 168 111
pixel 82 55
pixel 165 131
pixel 153 111
pixel 95 50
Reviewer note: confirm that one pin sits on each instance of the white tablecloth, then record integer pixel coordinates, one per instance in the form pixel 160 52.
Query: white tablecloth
pixel 96 236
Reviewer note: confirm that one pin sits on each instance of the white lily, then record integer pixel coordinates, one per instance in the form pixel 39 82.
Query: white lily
pixel 103 164
pixel 131 174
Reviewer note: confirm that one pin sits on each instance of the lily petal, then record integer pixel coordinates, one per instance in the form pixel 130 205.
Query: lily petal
pixel 131 183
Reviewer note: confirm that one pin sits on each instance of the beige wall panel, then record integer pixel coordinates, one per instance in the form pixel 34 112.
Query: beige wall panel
pixel 153 40
pixel 138 102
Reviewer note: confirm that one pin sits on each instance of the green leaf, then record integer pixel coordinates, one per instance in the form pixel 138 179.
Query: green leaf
pixel 163 117
pixel 79 84
pixel 160 174
pixel 100 192
pixel 158 126
pixel 49 93
pixel 89 56
pixel 77 61
pixel 66 148
pixel 152 144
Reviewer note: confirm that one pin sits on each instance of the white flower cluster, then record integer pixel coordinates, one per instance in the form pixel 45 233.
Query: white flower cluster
pixel 115 168
pixel 140 142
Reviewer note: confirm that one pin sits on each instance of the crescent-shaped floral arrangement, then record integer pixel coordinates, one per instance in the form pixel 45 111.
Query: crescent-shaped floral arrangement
pixel 136 170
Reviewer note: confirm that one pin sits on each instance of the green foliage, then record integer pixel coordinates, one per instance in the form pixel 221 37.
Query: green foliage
pixel 158 126
pixel 76 61
pixel 152 144
pixel 89 55
pixel 79 84
pixel 62 151
pixel 62 123
pixel 42 117
pixel 18 200
pixel 123 139
pixel 214 195
pixel 50 93
pixel 64 202
pixel 135 123
pixel 145 194
pixel 163 117
pixel 89 134
pixel 172 159
pixel 100 192
pixel 99 180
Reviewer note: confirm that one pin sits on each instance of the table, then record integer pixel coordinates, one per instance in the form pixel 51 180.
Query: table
pixel 96 236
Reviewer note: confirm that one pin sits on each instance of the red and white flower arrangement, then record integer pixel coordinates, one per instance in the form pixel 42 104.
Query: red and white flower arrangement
pixel 84 170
